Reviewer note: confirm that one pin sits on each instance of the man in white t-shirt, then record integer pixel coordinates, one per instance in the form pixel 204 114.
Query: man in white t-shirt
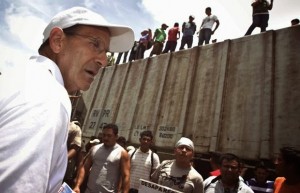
pixel 35 108
pixel 143 161
pixel 206 27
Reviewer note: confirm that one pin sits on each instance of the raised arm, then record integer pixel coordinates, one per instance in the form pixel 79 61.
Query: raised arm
pixel 271 5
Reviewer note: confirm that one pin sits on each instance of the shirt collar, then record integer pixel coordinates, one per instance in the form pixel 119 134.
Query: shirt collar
pixel 52 67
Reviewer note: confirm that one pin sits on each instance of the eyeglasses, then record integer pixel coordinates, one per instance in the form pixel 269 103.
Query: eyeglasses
pixel 97 44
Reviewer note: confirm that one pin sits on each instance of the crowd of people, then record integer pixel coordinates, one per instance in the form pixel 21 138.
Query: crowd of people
pixel 210 23
pixel 39 143
pixel 112 166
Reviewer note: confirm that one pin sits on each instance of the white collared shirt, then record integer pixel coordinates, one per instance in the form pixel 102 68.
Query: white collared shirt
pixel 35 112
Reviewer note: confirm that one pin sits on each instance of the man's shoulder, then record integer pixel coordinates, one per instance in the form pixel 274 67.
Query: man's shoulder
pixel 215 17
pixel 157 30
pixel 166 162
pixel 210 179
pixel 196 175
pixel 75 128
pixel 154 154
pixel 131 151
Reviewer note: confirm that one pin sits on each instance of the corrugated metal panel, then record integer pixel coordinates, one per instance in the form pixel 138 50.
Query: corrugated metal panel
pixel 240 96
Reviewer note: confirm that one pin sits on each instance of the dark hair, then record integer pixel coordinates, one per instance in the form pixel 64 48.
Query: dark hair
pixel 176 24
pixel 191 16
pixel 291 156
pixel 208 8
pixel 230 157
pixel 296 21
pixel 146 133
pixel 113 127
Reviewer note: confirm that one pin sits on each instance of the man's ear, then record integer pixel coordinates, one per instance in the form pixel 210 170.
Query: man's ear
pixel 56 39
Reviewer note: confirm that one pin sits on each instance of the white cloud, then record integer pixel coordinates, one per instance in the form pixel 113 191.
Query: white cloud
pixel 28 29
pixel 12 54
pixel 23 34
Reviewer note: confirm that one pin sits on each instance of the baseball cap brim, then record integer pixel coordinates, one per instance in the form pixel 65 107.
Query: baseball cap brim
pixel 121 37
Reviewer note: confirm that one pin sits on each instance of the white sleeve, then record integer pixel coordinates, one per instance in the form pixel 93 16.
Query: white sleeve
pixel 156 161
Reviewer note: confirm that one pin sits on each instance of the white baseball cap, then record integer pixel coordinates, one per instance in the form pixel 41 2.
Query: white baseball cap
pixel 121 37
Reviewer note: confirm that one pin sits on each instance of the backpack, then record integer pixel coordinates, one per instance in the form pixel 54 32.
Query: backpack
pixel 151 160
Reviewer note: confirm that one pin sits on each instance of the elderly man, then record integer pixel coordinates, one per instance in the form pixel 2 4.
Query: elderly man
pixel 179 174
pixel 34 99
pixel 229 180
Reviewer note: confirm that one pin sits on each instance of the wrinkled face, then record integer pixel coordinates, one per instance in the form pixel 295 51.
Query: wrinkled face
pixel 230 171
pixel 183 153
pixel 109 139
pixel 82 55
pixel 261 175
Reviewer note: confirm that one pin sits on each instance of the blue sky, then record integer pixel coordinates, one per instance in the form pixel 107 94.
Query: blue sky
pixel 23 21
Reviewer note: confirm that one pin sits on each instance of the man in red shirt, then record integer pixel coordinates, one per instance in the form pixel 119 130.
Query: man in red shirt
pixel 173 36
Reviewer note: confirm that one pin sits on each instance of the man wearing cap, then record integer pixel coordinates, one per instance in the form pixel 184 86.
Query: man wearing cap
pixel 159 39
pixel 179 174
pixel 35 106
pixel 143 43
pixel 188 31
